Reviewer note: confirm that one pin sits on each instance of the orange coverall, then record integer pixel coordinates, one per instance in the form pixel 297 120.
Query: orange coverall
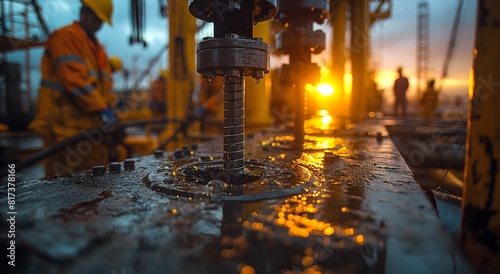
pixel 158 101
pixel 76 85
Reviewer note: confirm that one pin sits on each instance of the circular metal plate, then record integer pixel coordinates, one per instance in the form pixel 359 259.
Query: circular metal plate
pixel 198 180
pixel 219 54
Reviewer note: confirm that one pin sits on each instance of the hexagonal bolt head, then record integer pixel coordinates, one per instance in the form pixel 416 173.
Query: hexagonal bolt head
pixel 188 152
pixel 257 74
pixel 129 164
pixel 190 170
pixel 178 154
pixel 98 170
pixel 115 167
pixel 206 158
pixel 232 73
pixel 208 73
pixel 158 153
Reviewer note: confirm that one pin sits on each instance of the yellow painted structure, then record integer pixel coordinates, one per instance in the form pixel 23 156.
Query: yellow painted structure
pixel 258 96
pixel 360 14
pixel 480 229
pixel 339 51
pixel 181 54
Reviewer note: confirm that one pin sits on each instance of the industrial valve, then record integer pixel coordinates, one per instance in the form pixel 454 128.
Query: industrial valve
pixel 298 39
pixel 233 53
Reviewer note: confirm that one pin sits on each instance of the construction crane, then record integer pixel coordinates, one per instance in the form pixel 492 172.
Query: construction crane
pixel 138 14
pixel 18 32
pixel 422 43
pixel 13 36
pixel 451 44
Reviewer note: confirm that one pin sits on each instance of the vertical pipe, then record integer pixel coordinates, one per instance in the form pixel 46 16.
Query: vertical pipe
pixel 258 95
pixel 359 57
pixel 480 228
pixel 300 113
pixel 182 28
pixel 339 52
pixel 299 59
pixel 234 123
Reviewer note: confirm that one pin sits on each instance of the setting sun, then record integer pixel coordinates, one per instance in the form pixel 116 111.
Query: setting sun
pixel 325 89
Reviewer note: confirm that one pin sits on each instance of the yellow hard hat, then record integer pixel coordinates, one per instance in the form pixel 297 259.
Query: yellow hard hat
pixel 116 63
pixel 164 74
pixel 102 8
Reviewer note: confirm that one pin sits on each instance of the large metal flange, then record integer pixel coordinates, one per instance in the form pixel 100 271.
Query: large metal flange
pixel 232 56
pixel 207 10
pixel 300 38
pixel 316 9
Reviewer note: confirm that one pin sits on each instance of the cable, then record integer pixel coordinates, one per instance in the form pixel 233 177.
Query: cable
pixel 37 8
pixel 152 63
pixel 61 145
pixel 449 165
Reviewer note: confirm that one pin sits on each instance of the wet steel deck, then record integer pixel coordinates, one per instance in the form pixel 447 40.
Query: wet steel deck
pixel 362 212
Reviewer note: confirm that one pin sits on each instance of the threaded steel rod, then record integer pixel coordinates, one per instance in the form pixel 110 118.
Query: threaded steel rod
pixel 234 124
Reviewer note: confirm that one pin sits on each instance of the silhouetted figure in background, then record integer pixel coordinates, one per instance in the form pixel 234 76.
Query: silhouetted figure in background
pixel 429 101
pixel 158 103
pixel 400 87
pixel 375 95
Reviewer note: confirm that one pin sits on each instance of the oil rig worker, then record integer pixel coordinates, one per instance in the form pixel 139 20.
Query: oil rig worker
pixel 75 95
pixel 400 87
pixel 210 105
pixel 429 101
pixel 158 95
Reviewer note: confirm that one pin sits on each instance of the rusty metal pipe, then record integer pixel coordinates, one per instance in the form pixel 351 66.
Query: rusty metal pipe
pixel 234 124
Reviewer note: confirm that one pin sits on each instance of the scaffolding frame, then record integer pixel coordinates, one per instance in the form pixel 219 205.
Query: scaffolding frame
pixel 422 43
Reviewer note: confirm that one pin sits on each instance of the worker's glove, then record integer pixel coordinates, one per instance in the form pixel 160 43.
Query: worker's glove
pixel 199 111
pixel 108 117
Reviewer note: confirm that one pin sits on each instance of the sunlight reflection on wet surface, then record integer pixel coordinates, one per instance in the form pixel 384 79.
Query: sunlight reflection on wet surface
pixel 324 208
